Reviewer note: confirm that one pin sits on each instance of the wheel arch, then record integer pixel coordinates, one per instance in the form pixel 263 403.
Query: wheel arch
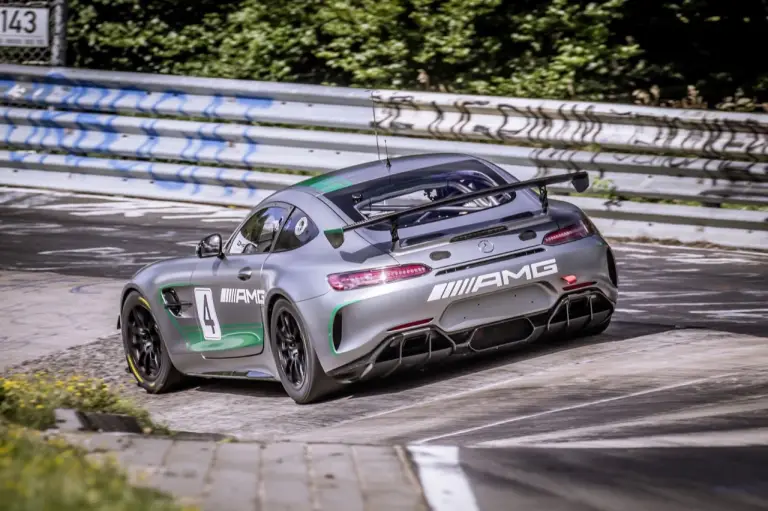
pixel 133 287
pixel 270 306
pixel 127 290
pixel 270 302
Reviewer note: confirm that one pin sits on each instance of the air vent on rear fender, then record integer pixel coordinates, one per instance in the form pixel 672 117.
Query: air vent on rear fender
pixel 336 331
pixel 612 272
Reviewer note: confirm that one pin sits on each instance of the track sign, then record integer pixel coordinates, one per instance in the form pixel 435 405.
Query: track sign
pixel 21 26
pixel 206 314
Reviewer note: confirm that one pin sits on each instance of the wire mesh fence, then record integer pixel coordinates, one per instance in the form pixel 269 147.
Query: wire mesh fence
pixel 32 32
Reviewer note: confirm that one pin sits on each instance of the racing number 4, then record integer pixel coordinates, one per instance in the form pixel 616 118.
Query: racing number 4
pixel 206 314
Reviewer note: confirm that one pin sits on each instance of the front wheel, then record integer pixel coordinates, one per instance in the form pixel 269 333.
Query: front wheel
pixel 145 350
pixel 300 371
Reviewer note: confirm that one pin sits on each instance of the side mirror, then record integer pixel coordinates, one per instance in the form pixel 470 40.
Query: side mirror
pixel 210 246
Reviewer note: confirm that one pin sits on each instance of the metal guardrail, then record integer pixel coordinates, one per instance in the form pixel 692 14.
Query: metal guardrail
pixel 102 132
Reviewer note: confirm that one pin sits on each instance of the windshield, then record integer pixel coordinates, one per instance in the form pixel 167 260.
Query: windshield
pixel 406 190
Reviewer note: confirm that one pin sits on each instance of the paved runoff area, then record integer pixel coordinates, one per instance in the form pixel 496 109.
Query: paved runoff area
pixel 666 410
pixel 252 476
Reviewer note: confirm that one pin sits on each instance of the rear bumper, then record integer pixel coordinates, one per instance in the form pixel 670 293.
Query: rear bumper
pixel 420 346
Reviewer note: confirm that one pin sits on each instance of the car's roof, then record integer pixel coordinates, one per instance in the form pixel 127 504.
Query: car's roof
pixel 375 169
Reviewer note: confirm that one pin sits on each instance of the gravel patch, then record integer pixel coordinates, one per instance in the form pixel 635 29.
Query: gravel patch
pixel 103 359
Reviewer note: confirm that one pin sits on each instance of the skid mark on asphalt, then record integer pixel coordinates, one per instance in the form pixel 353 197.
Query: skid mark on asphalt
pixel 81 205
pixel 537 415
pixel 706 284
pixel 683 419
pixel 589 388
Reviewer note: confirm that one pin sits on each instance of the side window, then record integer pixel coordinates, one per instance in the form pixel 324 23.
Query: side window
pixel 298 231
pixel 257 233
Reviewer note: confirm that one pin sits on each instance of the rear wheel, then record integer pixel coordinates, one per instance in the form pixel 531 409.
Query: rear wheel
pixel 145 350
pixel 300 371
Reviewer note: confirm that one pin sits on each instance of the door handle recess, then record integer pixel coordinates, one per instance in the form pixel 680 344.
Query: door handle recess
pixel 244 274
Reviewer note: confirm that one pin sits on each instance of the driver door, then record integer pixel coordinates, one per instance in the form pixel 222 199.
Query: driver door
pixel 229 291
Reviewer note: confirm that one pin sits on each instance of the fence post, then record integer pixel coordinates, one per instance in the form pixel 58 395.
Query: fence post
pixel 59 39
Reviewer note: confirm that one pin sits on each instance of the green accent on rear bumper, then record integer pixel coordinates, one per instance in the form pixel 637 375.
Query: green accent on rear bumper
pixel 330 323
pixel 325 184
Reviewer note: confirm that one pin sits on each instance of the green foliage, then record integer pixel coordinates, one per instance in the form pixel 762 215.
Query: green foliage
pixel 30 400
pixel 599 49
pixel 40 474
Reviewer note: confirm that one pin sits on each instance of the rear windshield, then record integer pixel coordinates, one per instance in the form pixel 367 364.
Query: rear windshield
pixel 406 190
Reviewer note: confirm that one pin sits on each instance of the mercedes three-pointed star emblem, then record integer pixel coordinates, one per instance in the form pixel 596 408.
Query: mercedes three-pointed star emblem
pixel 485 246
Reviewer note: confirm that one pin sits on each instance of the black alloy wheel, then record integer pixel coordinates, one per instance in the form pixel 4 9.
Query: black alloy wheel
pixel 291 349
pixel 145 350
pixel 146 346
pixel 296 360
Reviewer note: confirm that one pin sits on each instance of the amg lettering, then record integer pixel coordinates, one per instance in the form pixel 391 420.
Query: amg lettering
pixel 229 295
pixel 493 280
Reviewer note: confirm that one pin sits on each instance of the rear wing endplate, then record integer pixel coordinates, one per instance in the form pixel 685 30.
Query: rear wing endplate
pixel 579 179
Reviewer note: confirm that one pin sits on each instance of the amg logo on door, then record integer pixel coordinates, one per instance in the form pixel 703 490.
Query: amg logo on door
pixel 229 295
pixel 495 279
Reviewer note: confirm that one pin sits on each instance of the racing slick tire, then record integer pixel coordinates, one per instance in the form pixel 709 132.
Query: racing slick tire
pixel 301 374
pixel 145 350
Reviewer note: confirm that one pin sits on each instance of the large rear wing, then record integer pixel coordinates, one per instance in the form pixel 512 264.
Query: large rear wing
pixel 579 179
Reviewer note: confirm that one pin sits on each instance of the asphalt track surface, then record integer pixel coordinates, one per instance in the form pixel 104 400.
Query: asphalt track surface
pixel 668 409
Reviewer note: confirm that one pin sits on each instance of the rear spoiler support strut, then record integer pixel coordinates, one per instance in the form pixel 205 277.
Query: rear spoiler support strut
pixel 543 198
pixel 579 179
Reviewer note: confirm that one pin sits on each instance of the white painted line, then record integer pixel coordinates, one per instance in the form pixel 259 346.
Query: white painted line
pixel 572 407
pixel 35 191
pixel 445 485
pixel 647 295
pixel 704 439
pixel 693 249
pixel 730 311
pixel 697 304
pixel 634 250
pixel 735 313
pixel 631 311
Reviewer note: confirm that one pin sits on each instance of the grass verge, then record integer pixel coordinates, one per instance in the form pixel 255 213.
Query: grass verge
pixel 40 472
pixel 47 474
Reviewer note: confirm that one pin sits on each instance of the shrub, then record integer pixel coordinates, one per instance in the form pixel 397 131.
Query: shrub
pixel 30 400
pixel 569 49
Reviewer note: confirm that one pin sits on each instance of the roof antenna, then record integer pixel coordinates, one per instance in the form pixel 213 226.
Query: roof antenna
pixel 376 132
pixel 375 125
pixel 386 151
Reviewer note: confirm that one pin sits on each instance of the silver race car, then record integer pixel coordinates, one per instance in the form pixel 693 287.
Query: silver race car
pixel 370 269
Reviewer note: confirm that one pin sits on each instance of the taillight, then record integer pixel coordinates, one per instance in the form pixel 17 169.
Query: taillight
pixel 355 279
pixel 566 234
